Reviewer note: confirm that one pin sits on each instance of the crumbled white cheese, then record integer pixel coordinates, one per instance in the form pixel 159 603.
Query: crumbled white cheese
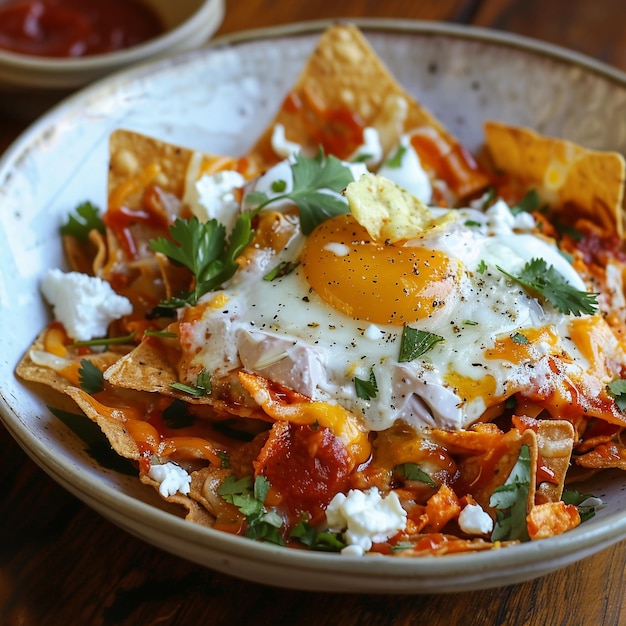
pixel 172 478
pixel 473 520
pixel 85 305
pixel 213 197
pixel 365 517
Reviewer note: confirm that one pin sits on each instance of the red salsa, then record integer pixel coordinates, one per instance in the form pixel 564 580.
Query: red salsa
pixel 75 28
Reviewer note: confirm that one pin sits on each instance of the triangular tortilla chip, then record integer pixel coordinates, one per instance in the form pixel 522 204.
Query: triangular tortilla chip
pixel 555 441
pixel 137 161
pixel 59 372
pixel 563 173
pixel 344 87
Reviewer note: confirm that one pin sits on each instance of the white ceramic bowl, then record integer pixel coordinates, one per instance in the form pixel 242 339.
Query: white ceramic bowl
pixel 218 99
pixel 30 84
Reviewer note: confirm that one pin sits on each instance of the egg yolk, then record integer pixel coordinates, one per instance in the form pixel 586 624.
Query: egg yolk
pixel 373 281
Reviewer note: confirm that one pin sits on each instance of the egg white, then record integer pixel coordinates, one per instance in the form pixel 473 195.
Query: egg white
pixel 283 330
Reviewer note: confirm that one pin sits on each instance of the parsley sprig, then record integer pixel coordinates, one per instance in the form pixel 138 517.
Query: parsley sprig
pixel 86 217
pixel 414 343
pixel 617 390
pixel 320 540
pixel 202 247
pixel 510 501
pixel 313 177
pixel 545 281
pixel 249 498
pixel 412 471
pixel 90 377
pixel 366 389
pixel 200 389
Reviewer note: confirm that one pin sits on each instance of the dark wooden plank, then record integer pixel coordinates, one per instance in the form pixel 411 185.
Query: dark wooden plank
pixel 593 27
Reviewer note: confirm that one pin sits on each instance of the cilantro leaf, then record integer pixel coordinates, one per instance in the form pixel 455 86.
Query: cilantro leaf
pixel 249 498
pixel 510 500
pixel 106 341
pixel 282 269
pixel 617 390
pixel 539 279
pixel 85 219
pixel 530 202
pixel 366 389
pixel 323 541
pixel 200 389
pixel 313 177
pixel 202 248
pixel 396 159
pixel 415 343
pixel 519 338
pixel 90 377
pixel 412 471
pixel 586 503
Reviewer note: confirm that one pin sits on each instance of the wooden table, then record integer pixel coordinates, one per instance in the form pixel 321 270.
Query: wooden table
pixel 62 564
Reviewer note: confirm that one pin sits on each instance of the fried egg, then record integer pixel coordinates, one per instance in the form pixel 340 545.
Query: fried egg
pixel 340 315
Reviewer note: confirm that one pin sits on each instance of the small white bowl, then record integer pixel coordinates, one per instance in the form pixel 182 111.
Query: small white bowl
pixel 30 84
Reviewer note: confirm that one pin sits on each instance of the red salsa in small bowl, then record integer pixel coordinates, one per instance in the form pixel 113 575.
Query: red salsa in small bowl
pixel 75 28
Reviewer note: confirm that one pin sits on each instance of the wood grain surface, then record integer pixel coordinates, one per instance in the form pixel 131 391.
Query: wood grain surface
pixel 62 564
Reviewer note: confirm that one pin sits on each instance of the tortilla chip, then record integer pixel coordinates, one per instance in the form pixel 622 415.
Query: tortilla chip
pixel 146 368
pixel 563 173
pixel 555 441
pixel 345 80
pixel 499 460
pixel 604 456
pixel 113 427
pixel 137 160
pixel 40 366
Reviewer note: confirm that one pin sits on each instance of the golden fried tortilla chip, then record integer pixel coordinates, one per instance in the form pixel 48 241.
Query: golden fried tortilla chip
pixel 137 160
pixel 555 441
pixel 488 471
pixel 563 173
pixel 344 87
pixel 39 365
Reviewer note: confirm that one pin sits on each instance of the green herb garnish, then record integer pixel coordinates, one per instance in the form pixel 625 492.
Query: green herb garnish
pixel 510 501
pixel 106 341
pixel 617 390
pixel 366 389
pixel 396 159
pixel 90 377
pixel 249 498
pixel 323 541
pixel 200 389
pixel 412 471
pixel 85 219
pixel 282 269
pixel 482 266
pixel 415 343
pixel 586 511
pixel 202 248
pixel 539 279
pixel 519 338
pixel 529 203
pixel 312 177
